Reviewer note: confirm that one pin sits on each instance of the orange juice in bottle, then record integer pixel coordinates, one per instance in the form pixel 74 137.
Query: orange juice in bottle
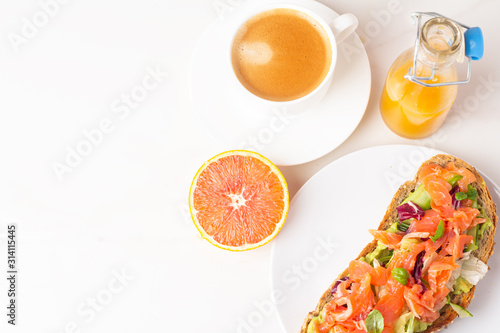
pixel 410 109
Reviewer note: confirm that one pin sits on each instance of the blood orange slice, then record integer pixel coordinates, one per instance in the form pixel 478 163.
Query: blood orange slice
pixel 238 200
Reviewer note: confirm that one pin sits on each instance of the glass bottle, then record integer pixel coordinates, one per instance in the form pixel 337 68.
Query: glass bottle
pixel 412 110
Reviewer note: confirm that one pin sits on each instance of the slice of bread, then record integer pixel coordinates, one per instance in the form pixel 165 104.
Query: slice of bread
pixel 484 251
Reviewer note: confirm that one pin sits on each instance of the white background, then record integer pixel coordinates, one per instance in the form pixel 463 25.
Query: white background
pixel 122 208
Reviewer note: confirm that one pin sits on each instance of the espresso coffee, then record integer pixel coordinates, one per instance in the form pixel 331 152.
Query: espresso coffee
pixel 281 54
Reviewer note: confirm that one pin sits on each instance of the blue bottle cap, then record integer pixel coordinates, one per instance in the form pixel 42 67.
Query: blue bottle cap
pixel 474 46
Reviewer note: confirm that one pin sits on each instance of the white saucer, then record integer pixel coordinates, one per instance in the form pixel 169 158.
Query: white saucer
pixel 285 140
pixel 327 227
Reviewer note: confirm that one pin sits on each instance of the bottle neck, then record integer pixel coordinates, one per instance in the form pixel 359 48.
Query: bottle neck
pixel 440 42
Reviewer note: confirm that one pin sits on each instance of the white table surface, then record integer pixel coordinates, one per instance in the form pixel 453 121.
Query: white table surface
pixel 109 246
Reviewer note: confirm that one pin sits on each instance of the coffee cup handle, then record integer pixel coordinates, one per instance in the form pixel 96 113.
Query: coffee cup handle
pixel 343 26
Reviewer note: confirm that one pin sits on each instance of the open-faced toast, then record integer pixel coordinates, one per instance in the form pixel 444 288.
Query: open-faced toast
pixel 482 250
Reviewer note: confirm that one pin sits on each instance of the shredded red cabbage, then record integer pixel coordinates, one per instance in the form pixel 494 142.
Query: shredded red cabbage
pixel 335 286
pixel 417 271
pixel 410 210
pixel 454 202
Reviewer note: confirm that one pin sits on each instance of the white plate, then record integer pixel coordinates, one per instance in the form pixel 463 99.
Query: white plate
pixel 285 140
pixel 333 211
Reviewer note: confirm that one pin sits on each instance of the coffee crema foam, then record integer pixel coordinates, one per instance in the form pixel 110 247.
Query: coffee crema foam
pixel 281 54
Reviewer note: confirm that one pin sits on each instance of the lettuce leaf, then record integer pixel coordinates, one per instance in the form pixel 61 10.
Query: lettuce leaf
pixel 470 268
pixel 473 270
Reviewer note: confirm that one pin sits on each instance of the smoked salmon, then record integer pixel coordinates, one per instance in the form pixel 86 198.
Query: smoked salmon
pixel 420 254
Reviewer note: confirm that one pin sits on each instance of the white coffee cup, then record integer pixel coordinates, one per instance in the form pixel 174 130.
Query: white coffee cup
pixel 337 31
